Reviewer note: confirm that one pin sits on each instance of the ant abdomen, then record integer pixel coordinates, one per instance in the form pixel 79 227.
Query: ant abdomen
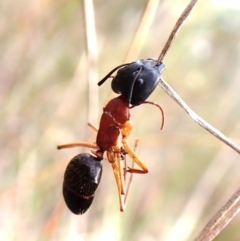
pixel 81 179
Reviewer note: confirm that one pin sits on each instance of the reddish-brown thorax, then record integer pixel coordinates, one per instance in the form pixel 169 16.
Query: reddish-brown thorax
pixel 115 114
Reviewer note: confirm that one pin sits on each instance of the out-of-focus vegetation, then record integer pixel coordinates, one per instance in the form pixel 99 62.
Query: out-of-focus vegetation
pixel 45 102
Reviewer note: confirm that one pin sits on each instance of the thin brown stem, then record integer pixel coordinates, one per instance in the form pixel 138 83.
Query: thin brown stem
pixel 176 28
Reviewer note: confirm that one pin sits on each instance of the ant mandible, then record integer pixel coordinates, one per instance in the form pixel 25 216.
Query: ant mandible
pixel 83 173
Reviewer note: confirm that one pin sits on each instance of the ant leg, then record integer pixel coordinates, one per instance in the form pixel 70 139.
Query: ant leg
pixel 93 127
pixel 135 158
pixel 117 173
pixel 115 160
pixel 128 185
pixel 78 144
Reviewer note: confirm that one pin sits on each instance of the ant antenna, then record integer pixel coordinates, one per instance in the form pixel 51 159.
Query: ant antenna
pixel 109 74
pixel 152 103
pixel 131 90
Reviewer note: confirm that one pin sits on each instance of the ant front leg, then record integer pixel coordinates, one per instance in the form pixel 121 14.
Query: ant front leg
pixel 135 158
pixel 125 131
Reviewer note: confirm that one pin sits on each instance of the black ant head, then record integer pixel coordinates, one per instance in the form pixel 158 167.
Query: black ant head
pixel 137 80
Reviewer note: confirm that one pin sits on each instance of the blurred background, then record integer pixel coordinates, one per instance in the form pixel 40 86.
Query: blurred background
pixel 50 62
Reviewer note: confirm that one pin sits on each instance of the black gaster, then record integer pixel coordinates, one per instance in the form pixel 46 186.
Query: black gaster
pixel 81 179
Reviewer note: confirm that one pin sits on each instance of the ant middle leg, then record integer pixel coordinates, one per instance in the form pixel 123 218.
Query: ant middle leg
pixel 80 144
pixel 93 127
pixel 114 157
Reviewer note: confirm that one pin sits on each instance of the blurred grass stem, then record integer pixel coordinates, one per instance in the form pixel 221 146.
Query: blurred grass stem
pixel 92 60
pixel 143 30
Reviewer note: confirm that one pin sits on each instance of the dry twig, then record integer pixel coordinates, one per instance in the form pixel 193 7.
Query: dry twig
pixel 220 220
pixel 232 207
pixel 197 118
pixel 176 97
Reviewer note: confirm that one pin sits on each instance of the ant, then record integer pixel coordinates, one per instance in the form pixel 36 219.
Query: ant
pixel 83 173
